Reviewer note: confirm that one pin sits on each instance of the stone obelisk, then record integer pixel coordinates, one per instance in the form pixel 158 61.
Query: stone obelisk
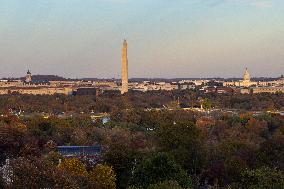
pixel 124 69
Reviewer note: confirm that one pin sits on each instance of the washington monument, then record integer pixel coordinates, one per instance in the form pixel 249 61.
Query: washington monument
pixel 124 69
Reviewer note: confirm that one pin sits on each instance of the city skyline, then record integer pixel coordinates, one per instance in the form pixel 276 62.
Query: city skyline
pixel 191 39
pixel 131 78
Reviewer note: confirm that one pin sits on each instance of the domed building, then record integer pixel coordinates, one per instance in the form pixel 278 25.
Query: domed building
pixel 246 82
pixel 246 75
pixel 30 81
pixel 28 78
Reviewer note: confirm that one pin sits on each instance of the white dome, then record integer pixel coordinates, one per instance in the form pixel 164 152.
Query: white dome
pixel 246 75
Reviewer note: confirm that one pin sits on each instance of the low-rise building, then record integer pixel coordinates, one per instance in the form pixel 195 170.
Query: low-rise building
pixel 246 82
pixel 257 90
pixel 37 90
pixel 31 86
pixel 221 90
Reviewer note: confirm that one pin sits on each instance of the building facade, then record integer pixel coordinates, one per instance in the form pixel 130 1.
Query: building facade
pixel 246 82
pixel 31 86
pixel 257 90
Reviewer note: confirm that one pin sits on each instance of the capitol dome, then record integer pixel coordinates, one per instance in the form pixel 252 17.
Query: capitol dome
pixel 246 75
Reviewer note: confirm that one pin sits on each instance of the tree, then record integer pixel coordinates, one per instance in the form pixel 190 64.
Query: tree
pixel 262 178
pixel 2 181
pixel 38 173
pixel 228 160
pixel 271 153
pixel 103 176
pixel 11 141
pixel 159 168
pixel 166 185
pixel 125 148
pixel 185 142
pixel 206 103
pixel 74 167
pixel 122 158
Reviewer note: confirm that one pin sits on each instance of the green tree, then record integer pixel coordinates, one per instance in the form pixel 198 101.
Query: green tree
pixel 271 153
pixel 122 158
pixel 166 185
pixel 185 142
pixel 159 168
pixel 206 103
pixel 262 178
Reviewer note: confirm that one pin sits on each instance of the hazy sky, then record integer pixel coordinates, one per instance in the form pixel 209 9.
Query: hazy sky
pixel 166 38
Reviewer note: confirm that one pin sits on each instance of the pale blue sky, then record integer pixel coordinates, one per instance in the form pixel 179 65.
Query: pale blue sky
pixel 167 38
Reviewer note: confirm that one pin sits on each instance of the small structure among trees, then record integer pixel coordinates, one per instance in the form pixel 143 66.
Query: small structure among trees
pixel 79 151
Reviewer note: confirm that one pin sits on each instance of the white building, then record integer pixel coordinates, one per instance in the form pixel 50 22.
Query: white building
pixel 246 82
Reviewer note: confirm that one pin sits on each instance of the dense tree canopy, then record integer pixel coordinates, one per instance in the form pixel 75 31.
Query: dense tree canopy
pixel 110 101
pixel 143 147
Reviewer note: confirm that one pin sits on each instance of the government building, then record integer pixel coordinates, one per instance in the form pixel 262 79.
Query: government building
pixel 255 87
pixel 34 87
pixel 246 82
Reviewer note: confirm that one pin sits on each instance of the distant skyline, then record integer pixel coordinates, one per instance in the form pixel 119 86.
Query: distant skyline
pixel 166 38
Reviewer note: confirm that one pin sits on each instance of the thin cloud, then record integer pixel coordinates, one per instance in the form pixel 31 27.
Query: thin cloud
pixel 117 1
pixel 254 3
pixel 262 4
